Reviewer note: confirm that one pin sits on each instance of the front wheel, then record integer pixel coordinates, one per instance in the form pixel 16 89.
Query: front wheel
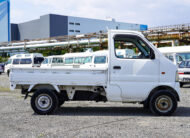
pixel 163 103
pixel 44 102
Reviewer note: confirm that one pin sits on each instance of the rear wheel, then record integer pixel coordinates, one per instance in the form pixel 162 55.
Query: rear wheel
pixel 44 102
pixel 163 103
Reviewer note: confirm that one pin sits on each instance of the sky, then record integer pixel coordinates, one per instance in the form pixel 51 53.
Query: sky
pixel 150 12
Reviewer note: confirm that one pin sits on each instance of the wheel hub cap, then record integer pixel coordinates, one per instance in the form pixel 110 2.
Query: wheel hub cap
pixel 43 102
pixel 163 103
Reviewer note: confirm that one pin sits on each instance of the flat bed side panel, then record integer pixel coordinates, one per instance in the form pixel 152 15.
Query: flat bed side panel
pixel 59 76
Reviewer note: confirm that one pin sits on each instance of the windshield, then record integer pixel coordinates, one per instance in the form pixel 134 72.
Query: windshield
pixel 9 61
pixel 185 56
pixel 184 64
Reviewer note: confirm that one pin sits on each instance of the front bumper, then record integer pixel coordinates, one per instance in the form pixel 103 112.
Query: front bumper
pixel 184 78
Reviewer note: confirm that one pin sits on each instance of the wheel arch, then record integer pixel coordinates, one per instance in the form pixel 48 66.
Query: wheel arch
pixel 44 86
pixel 162 87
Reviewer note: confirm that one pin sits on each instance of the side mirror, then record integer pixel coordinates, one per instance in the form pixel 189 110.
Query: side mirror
pixel 152 55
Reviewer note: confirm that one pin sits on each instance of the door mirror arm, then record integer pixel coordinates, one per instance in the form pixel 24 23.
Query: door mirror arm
pixel 152 55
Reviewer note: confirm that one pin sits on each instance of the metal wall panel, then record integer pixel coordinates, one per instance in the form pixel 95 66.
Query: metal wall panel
pixel 4 20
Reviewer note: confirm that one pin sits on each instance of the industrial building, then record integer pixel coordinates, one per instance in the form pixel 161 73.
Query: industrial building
pixel 4 20
pixel 52 25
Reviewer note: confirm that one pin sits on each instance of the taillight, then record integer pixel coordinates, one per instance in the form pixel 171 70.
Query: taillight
pixel 181 73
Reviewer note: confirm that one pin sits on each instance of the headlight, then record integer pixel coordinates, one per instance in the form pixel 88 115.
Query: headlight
pixel 177 76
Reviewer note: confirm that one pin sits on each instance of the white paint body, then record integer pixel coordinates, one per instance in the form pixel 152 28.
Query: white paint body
pixel 22 56
pixel 175 54
pixel 132 83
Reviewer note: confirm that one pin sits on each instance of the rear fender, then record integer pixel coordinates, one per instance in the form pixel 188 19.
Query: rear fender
pixel 44 86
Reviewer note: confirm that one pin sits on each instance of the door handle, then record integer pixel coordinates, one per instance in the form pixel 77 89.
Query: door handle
pixel 117 67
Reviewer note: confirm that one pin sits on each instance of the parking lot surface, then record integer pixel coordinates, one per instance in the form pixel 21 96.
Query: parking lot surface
pixel 89 119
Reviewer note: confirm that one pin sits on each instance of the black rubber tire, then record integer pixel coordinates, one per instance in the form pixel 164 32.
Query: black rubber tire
pixel 61 102
pixel 168 94
pixel 61 99
pixel 145 106
pixel 181 84
pixel 51 95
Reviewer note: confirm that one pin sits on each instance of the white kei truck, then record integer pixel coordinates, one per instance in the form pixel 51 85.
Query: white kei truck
pixel 146 78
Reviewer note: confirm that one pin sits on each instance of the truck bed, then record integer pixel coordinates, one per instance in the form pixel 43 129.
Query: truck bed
pixel 58 76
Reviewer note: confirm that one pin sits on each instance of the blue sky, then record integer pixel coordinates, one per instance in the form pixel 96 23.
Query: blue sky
pixel 150 12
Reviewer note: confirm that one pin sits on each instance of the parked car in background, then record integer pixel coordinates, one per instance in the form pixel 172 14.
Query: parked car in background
pixel 176 54
pixel 2 66
pixel 24 60
pixel 184 72
pixel 52 61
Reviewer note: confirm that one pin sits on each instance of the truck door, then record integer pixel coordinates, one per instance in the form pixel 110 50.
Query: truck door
pixel 134 72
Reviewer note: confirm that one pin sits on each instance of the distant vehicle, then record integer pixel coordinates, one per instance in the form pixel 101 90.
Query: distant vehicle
pixel 76 59
pixel 2 65
pixel 52 61
pixel 98 59
pixel 24 60
pixel 176 54
pixel 184 72
pixel 175 58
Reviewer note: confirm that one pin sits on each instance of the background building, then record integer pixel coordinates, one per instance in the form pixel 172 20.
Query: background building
pixel 52 25
pixel 4 20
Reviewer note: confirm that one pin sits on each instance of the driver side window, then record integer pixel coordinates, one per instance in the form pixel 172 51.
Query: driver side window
pixel 131 47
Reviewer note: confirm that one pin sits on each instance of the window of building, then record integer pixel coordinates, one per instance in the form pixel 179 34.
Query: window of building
pixel 71 23
pixel 77 31
pixel 77 23
pixel 71 30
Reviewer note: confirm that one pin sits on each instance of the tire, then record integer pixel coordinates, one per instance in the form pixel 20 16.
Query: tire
pixel 181 84
pixel 61 102
pixel 61 99
pixel 44 102
pixel 163 103
pixel 145 106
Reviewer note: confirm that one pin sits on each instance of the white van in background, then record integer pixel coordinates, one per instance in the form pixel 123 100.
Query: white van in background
pixel 98 59
pixel 76 59
pixel 24 60
pixel 176 54
pixel 50 61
